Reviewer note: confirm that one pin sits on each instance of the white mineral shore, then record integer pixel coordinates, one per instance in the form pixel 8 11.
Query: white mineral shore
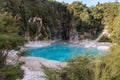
pixel 35 44
pixel 33 69
pixel 92 44
pixel 84 43
pixel 99 45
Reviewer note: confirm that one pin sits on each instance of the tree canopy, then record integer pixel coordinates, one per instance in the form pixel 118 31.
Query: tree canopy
pixel 9 38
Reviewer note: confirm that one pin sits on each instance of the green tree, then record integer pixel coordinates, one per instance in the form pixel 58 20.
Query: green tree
pixel 9 38
pixel 114 29
pixel 102 67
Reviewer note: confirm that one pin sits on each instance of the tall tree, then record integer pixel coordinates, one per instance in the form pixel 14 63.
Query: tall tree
pixel 9 38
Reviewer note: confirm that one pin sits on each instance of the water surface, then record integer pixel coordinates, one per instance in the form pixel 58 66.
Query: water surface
pixel 61 52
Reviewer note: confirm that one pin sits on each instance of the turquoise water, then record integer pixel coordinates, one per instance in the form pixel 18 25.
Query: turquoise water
pixel 60 52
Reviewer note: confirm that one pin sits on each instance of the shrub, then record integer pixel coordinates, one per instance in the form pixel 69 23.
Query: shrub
pixel 10 73
pixel 102 67
pixel 79 68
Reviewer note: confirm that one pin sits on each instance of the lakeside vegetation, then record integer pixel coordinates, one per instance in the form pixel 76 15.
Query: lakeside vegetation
pixel 102 67
pixel 49 20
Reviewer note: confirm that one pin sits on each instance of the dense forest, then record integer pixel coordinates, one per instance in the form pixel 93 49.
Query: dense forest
pixel 50 20
pixel 44 19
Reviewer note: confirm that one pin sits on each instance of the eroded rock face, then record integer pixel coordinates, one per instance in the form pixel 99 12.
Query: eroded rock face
pixel 38 21
pixel 74 37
